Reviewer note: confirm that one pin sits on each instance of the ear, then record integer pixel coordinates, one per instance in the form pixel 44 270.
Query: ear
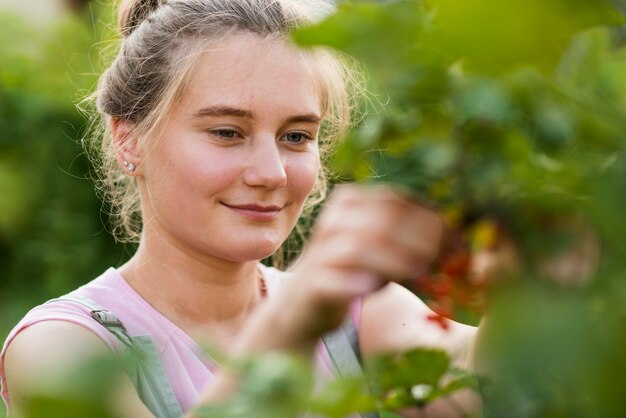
pixel 126 145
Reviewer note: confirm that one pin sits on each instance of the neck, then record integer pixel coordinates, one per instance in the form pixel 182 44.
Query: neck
pixel 201 295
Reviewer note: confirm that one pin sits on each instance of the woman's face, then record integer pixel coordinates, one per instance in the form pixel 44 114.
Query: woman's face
pixel 238 155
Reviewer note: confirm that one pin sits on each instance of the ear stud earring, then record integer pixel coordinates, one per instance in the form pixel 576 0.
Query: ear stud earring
pixel 129 166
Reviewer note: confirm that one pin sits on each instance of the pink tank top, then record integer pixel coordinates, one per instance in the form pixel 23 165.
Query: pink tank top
pixel 187 367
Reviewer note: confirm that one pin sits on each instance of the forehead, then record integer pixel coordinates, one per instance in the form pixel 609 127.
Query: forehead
pixel 247 72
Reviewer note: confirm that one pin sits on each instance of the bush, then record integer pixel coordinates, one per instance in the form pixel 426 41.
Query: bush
pixel 52 236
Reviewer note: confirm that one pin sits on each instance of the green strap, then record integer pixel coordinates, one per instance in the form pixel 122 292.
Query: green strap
pixel 143 365
pixel 343 348
pixel 151 382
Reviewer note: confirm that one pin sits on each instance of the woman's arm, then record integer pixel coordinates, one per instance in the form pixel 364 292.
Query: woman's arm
pixel 394 320
pixel 41 357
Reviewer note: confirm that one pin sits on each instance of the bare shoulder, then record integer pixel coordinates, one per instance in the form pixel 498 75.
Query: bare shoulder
pixel 58 340
pixel 44 354
pixel 48 348
pixel 394 319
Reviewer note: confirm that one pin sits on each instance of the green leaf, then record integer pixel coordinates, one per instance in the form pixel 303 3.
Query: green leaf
pixel 398 27
pixel 420 366
pixel 342 397
pixel 494 35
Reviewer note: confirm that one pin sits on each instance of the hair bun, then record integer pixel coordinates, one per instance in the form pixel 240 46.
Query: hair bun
pixel 133 12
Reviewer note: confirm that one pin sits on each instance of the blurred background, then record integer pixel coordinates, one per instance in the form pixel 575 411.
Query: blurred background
pixel 52 234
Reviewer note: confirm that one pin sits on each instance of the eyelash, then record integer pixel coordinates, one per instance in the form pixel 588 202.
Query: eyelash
pixel 305 136
pixel 231 134
pixel 220 134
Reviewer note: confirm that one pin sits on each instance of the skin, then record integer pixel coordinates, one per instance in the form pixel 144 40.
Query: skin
pixel 245 135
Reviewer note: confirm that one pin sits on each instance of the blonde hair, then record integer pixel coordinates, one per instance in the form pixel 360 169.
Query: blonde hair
pixel 161 41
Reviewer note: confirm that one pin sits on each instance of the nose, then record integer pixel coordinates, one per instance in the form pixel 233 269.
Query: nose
pixel 266 164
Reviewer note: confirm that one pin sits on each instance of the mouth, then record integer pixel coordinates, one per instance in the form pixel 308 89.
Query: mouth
pixel 256 212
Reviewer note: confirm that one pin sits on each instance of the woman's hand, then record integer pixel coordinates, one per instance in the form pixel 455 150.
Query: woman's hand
pixel 364 238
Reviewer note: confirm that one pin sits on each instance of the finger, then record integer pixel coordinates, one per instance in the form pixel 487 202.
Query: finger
pixel 420 234
pixel 343 285
pixel 377 229
pixel 353 253
pixel 367 210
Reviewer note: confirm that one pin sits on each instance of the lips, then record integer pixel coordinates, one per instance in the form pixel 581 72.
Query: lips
pixel 255 207
pixel 256 212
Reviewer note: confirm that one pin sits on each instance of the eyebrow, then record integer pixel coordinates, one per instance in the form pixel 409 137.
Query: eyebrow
pixel 217 111
pixel 224 111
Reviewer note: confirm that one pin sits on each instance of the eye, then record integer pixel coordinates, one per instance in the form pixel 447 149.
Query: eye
pixel 226 134
pixel 297 137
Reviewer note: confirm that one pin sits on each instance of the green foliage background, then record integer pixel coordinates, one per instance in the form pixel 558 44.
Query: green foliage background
pixel 511 112
pixel 52 237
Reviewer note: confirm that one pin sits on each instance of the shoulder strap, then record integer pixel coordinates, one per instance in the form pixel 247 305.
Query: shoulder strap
pixel 343 348
pixel 145 368
pixel 105 318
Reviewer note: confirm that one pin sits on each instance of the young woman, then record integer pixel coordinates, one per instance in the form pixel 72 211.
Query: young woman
pixel 216 128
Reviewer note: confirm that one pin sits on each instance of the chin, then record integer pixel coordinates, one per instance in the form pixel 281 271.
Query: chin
pixel 252 255
pixel 256 249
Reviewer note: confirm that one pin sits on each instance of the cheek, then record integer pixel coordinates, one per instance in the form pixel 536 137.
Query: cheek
pixel 188 171
pixel 203 166
pixel 302 172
